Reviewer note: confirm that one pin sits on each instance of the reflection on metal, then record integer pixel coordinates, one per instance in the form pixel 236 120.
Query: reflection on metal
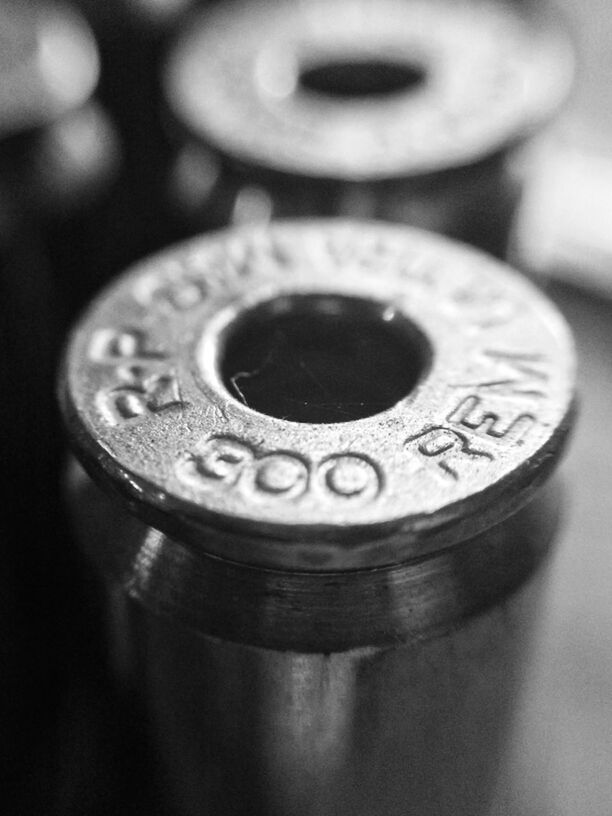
pixel 330 617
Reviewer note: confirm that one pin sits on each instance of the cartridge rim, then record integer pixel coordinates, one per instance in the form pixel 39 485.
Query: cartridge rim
pixel 151 417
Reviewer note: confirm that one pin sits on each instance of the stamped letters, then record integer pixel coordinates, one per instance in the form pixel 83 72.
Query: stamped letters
pixel 144 382
pixel 229 462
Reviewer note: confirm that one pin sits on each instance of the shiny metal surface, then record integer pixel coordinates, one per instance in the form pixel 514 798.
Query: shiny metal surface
pixel 486 419
pixel 406 111
pixel 298 661
pixel 561 748
pixel 415 726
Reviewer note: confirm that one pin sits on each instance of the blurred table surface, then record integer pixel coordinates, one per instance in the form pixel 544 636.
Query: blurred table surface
pixel 561 758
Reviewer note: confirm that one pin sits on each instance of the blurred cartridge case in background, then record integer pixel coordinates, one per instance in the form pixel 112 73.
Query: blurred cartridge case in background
pixel 321 591
pixel 405 111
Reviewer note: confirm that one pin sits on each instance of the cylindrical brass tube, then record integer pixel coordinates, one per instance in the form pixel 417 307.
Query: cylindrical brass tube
pixel 323 616
pixel 247 721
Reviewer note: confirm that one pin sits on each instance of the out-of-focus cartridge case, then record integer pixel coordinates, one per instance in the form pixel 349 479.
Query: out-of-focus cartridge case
pixel 406 111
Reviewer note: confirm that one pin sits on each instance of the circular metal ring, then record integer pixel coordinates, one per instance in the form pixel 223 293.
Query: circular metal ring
pixel 146 403
pixel 367 89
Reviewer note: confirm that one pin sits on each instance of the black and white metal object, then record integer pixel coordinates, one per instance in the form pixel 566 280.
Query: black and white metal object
pixel 405 111
pixel 322 447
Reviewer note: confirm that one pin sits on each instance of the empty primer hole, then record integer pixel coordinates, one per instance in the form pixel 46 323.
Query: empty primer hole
pixel 367 78
pixel 322 359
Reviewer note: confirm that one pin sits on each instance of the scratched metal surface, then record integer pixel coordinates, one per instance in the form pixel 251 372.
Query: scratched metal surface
pixel 250 473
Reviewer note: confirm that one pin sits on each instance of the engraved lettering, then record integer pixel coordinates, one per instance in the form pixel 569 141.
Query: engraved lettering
pixel 224 459
pixel 282 474
pixel 356 253
pixel 269 253
pixel 483 306
pixel 447 448
pixel 519 374
pixel 351 475
pixel 219 461
pixel 420 271
pixel 140 394
pixel 142 389
pixel 261 255
pixel 528 373
pixel 509 428
pixel 180 292
pixel 113 345
pixel 226 462
pixel 123 406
